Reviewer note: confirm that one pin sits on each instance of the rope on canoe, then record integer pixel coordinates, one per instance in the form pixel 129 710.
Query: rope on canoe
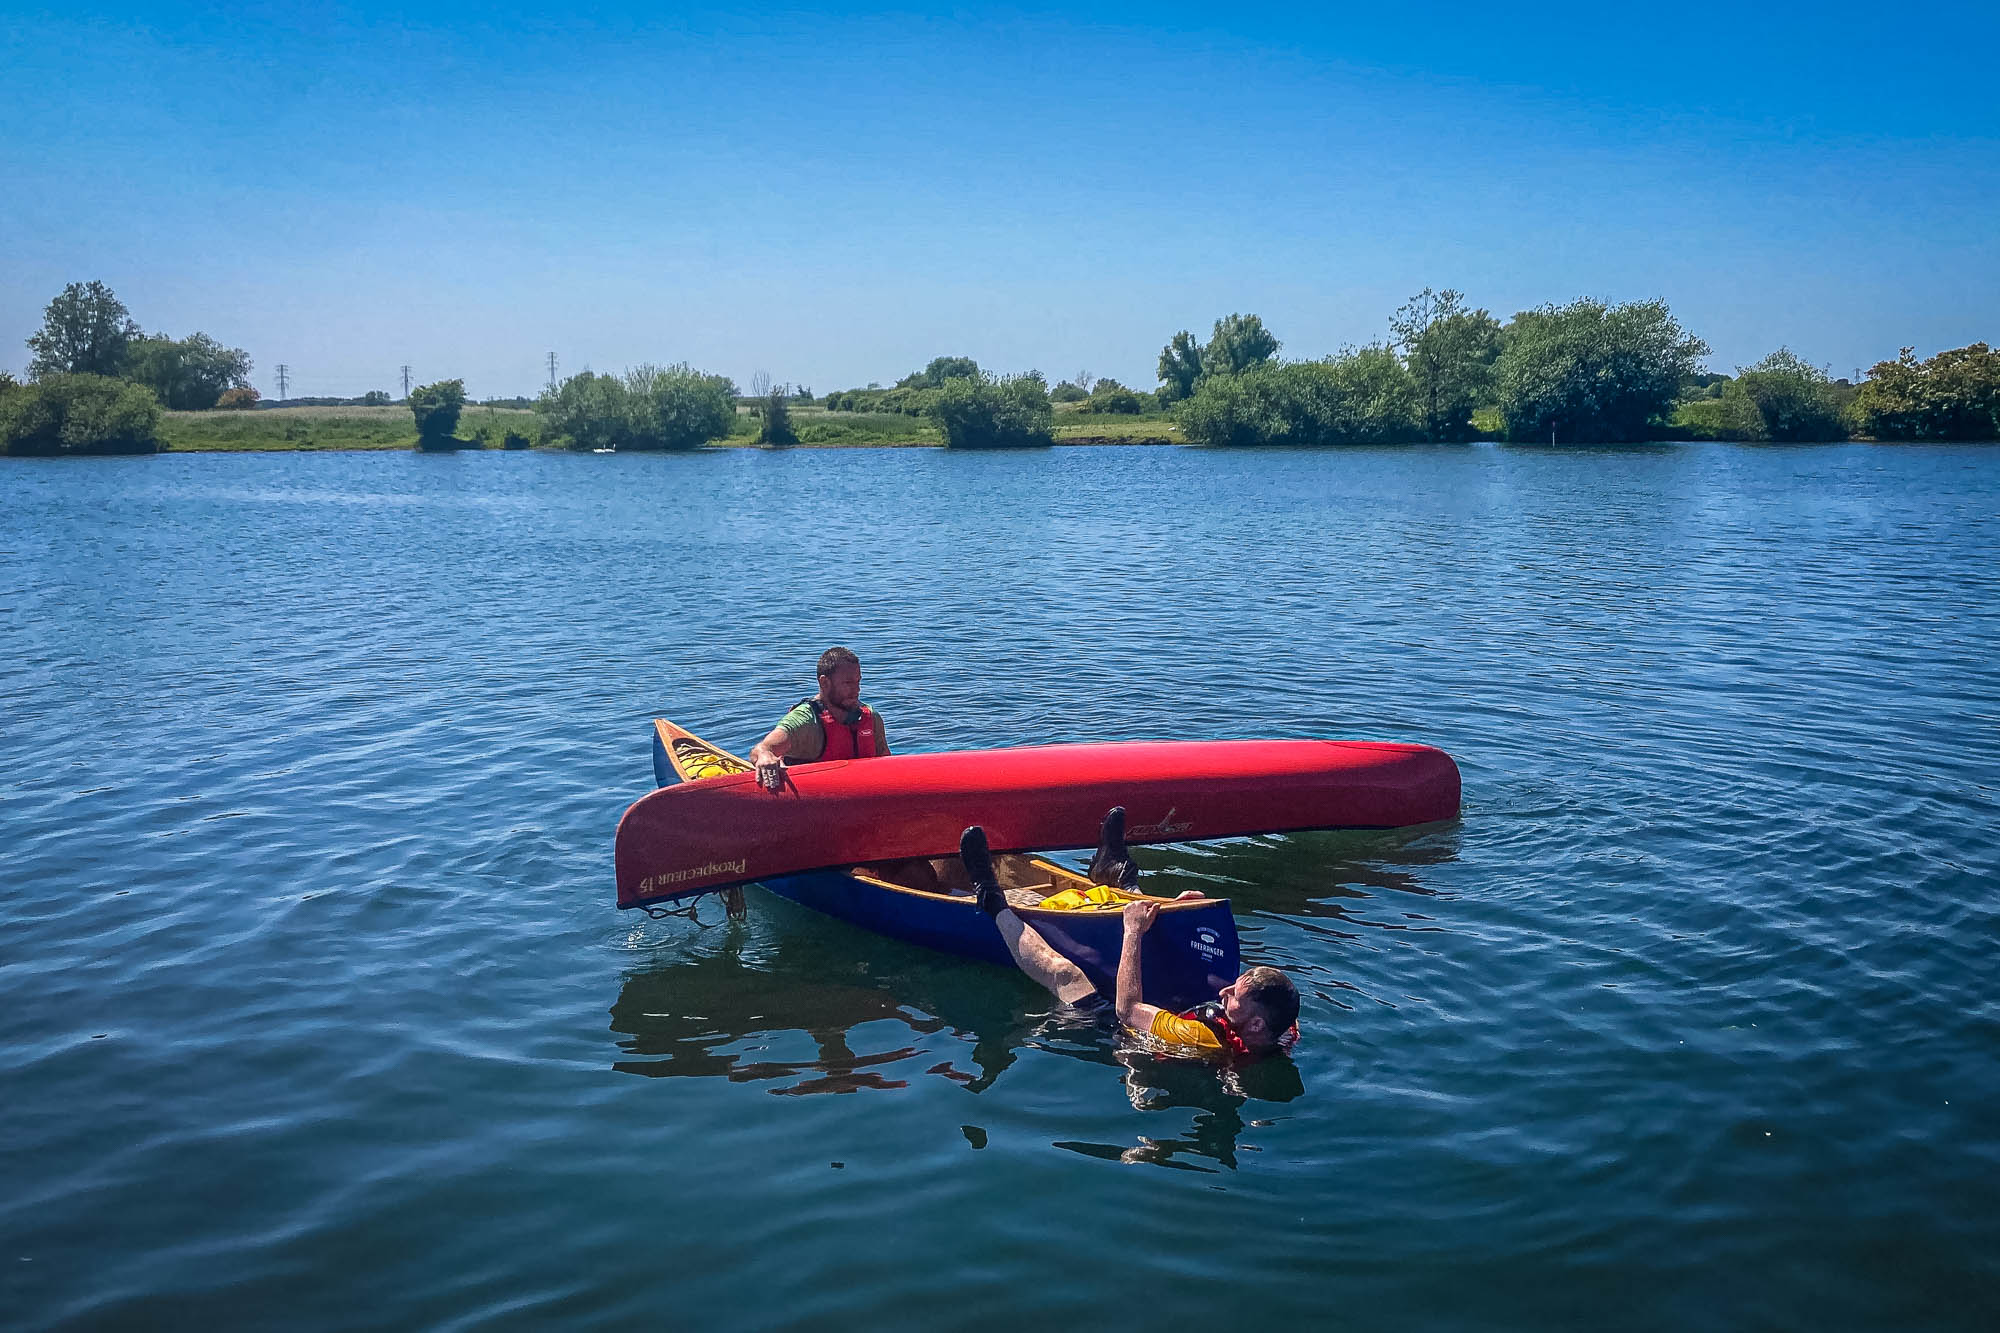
pixel 732 905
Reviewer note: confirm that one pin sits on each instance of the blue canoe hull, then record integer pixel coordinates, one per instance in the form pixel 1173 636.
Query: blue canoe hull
pixel 1190 953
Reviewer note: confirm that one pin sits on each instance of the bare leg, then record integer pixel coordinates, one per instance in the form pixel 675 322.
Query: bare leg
pixel 1056 974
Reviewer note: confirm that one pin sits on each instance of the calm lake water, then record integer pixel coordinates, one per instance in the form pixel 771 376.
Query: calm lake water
pixel 318 1012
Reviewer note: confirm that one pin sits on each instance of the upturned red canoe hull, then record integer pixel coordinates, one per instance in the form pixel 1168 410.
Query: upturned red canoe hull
pixel 703 835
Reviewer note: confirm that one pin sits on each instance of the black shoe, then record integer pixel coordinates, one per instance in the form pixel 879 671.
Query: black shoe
pixel 978 861
pixel 1113 863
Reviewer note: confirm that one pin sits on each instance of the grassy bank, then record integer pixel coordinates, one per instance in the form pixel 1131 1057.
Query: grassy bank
pixel 817 426
pixel 315 428
pixel 1089 428
pixel 306 428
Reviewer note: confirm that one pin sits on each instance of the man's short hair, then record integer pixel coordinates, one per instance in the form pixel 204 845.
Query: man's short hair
pixel 1275 997
pixel 833 659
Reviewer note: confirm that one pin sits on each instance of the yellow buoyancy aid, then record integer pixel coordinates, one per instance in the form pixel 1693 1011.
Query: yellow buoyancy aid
pixel 1096 898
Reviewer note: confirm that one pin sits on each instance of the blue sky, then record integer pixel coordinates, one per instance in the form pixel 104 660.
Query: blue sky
pixel 834 196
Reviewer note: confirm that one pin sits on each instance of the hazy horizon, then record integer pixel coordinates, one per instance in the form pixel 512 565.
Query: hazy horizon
pixel 833 197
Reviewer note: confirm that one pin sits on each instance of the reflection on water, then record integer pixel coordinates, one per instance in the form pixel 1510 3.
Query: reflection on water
pixel 683 1021
pixel 1216 1094
pixel 725 1013
pixel 706 1017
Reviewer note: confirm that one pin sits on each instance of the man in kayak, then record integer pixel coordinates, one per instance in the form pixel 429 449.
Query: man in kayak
pixel 833 724
pixel 1254 1015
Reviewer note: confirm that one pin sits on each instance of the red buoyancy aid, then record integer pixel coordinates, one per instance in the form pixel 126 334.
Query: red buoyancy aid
pixel 1210 1015
pixel 845 740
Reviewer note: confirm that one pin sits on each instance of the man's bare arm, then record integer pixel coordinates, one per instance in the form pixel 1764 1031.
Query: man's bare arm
pixel 881 735
pixel 1134 1012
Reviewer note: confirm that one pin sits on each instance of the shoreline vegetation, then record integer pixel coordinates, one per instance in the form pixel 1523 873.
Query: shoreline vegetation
pixel 314 429
pixel 1583 374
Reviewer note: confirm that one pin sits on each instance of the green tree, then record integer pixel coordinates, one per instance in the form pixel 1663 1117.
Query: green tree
pixel 940 369
pixel 1953 396
pixel 1450 352
pixel 988 412
pixel 376 398
pixel 588 411
pixel 1114 399
pixel 79 414
pixel 1228 410
pixel 1795 401
pixel 1068 392
pixel 678 407
pixel 187 374
pixel 1364 396
pixel 1588 372
pixel 1180 367
pixel 85 331
pixel 1378 400
pixel 1237 343
pixel 436 408
pixel 777 427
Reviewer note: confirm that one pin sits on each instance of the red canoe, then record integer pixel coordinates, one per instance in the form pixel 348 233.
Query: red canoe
pixel 707 834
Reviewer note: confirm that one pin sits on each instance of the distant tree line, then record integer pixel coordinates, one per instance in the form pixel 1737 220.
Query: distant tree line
pixel 1955 395
pixel 97 382
pixel 1582 373
pixel 678 407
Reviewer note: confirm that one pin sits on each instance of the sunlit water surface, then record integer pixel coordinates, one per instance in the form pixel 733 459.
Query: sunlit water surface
pixel 318 1013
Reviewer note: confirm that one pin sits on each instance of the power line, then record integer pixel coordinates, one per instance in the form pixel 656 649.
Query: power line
pixel 283 372
pixel 406 381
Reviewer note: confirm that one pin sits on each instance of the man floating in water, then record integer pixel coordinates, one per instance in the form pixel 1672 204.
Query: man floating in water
pixel 1257 1014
